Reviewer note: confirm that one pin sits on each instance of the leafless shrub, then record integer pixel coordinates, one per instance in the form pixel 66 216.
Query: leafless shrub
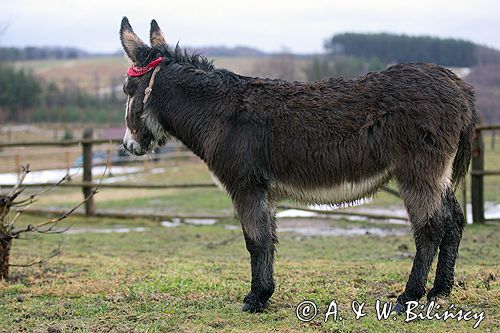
pixel 12 206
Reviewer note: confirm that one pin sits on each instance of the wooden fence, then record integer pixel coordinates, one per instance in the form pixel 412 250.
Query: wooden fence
pixel 478 173
pixel 87 184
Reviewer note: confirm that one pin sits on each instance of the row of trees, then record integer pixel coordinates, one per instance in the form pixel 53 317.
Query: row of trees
pixel 19 90
pixel 390 48
pixel 354 54
pixel 26 98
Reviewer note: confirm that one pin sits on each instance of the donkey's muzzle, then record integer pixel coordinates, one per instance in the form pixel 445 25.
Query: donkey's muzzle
pixel 133 147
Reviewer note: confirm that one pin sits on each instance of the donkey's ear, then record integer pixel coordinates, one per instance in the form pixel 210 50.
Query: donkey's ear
pixel 132 45
pixel 155 35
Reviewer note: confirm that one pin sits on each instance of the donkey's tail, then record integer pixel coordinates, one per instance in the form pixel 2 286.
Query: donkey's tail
pixel 464 152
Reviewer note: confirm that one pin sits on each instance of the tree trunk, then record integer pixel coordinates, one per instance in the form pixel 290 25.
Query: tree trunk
pixel 5 244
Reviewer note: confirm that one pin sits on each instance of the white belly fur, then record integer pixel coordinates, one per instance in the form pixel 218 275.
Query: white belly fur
pixel 342 193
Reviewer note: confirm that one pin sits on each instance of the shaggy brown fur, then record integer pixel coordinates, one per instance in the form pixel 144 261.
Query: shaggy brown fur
pixel 330 141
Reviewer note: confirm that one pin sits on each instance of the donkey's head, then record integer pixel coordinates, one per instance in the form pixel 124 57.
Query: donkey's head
pixel 143 134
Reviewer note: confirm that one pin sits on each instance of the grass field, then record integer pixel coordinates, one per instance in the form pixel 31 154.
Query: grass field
pixel 193 279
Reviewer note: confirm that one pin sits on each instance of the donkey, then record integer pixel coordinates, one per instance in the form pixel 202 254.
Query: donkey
pixel 325 142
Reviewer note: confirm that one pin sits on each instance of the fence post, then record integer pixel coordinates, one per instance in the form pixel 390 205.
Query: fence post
pixel 18 165
pixel 87 171
pixel 477 193
pixel 68 160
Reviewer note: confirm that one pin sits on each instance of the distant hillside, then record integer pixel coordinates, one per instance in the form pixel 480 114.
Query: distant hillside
pixel 55 53
pixel 486 81
pixel 223 51
pixel 71 69
pixel 40 53
pixel 487 55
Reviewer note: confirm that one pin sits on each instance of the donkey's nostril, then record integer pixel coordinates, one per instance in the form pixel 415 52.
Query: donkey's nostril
pixel 127 146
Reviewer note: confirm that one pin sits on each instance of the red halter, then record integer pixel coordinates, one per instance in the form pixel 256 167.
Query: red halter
pixel 140 71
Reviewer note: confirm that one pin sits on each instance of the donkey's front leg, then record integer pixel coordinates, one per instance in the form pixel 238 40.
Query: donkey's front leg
pixel 259 228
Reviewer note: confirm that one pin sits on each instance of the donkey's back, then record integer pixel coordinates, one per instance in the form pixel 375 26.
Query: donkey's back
pixel 335 141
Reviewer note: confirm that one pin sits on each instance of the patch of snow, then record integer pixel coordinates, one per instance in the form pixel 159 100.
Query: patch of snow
pixel 294 213
pixel 232 227
pixel 104 230
pixel 157 170
pixel 51 176
pixel 200 221
pixel 169 224
pixel 491 210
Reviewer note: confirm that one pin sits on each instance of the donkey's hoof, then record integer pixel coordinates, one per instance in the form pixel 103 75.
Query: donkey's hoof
pixel 399 308
pixel 253 307
pixel 253 304
pixel 433 294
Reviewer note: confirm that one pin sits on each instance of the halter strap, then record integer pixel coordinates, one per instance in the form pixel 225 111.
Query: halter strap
pixel 149 89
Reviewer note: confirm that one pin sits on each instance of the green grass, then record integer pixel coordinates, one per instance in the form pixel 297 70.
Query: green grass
pixel 188 201
pixel 193 279
pixel 209 200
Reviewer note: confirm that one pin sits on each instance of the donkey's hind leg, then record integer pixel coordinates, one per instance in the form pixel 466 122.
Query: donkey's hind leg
pixel 424 209
pixel 427 239
pixel 259 228
pixel 454 221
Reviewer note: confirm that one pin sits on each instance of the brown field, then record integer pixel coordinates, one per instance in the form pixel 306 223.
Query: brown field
pixel 95 74
pixel 90 74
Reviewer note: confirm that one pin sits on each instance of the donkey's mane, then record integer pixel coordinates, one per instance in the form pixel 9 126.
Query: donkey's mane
pixel 179 56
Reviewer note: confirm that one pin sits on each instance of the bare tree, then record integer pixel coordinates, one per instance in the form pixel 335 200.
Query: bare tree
pixel 12 207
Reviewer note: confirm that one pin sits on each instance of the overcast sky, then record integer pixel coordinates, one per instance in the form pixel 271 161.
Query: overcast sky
pixel 300 26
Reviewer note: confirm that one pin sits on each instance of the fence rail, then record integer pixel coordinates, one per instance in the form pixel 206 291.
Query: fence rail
pixel 477 175
pixel 62 143
pixel 105 185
